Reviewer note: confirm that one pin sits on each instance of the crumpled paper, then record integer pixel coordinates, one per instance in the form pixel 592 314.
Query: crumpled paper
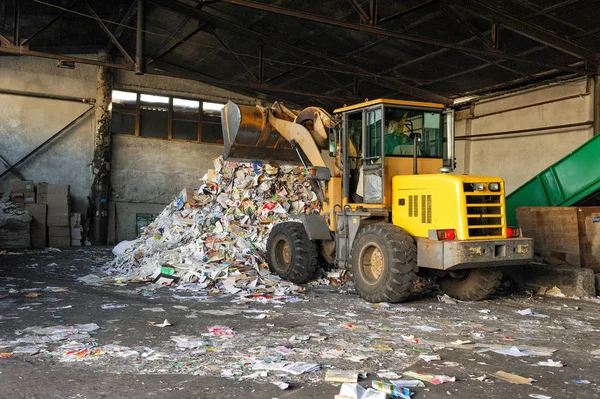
pixel 218 239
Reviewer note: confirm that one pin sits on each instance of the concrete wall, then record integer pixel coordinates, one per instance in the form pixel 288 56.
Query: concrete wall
pixel 26 122
pixel 146 173
pixel 518 157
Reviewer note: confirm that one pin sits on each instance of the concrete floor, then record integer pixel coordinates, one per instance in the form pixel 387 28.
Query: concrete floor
pixel 343 327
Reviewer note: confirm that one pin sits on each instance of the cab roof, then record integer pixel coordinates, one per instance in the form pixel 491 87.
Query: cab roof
pixel 387 101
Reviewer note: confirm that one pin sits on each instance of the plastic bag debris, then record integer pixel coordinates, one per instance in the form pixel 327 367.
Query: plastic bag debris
pixel 355 391
pixel 538 396
pixel 429 358
pixel 188 342
pixel 551 363
pixel 529 312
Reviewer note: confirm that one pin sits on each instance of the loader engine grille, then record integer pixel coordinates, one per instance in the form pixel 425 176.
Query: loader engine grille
pixel 420 201
pixel 485 213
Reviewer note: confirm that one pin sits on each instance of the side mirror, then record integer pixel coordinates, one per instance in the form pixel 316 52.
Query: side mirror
pixel 333 141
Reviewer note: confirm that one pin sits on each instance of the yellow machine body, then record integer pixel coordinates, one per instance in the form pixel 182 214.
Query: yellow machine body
pixel 425 203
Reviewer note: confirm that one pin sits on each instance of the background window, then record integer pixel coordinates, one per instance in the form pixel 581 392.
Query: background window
pixel 186 116
pixel 149 115
pixel 124 105
pixel 211 122
pixel 154 116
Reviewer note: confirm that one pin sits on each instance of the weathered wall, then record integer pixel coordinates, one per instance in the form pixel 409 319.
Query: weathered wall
pixel 146 173
pixel 26 122
pixel 150 173
pixel 518 157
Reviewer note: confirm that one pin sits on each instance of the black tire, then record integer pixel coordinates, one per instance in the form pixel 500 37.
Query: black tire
pixel 297 263
pixel 398 253
pixel 472 284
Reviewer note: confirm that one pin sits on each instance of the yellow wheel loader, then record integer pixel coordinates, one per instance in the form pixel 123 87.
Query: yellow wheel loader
pixel 390 207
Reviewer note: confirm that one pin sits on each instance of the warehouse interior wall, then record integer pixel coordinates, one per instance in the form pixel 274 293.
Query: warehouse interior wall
pixel 519 157
pixel 26 122
pixel 146 174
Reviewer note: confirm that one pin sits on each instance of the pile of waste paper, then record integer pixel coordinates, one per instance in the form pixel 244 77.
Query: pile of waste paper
pixel 216 236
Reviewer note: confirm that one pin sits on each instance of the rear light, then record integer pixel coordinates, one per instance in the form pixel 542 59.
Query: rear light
pixel 445 235
pixel 512 232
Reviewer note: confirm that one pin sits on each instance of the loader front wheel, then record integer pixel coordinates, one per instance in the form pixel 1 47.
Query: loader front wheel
pixel 384 263
pixel 291 254
pixel 471 284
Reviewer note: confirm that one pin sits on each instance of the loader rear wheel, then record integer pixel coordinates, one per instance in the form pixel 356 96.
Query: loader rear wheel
pixel 384 263
pixel 291 254
pixel 471 284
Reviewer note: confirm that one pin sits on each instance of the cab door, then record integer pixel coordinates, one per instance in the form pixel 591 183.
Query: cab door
pixel 373 167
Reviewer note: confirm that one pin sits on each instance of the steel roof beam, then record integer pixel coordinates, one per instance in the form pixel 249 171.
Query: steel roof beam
pixel 295 50
pixel 50 23
pixel 260 87
pixel 487 42
pixel 125 21
pixel 237 58
pixel 396 35
pixel 406 12
pixel 361 12
pixel 528 30
pixel 177 44
pixel 108 33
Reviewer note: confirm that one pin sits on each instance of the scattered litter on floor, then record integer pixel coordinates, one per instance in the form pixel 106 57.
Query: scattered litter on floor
pixel 512 378
pixel 408 383
pixel 163 324
pixel 341 376
pixel 434 379
pixel 393 390
pixel 551 363
pixel 529 312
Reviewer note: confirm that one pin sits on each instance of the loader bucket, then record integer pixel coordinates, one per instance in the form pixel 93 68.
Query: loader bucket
pixel 248 136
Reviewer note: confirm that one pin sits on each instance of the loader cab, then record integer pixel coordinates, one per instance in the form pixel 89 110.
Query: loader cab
pixel 384 138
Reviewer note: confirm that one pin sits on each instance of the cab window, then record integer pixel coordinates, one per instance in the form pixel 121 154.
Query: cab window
pixel 404 125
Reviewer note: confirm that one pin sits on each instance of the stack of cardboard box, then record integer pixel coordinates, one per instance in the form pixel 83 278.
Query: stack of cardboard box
pixel 22 192
pixel 59 230
pixel 76 229
pixel 38 224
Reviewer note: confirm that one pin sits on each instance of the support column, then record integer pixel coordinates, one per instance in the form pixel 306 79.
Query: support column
pixel 596 103
pixel 140 38
pixel 100 191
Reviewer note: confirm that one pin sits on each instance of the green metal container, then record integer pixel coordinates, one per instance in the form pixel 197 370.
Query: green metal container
pixel 567 182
